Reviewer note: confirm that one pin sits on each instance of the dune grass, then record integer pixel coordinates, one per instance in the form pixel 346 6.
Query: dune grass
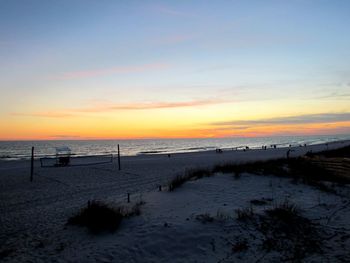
pixel 301 169
pixel 192 174
pixel 281 228
pixel 100 217
pixel 286 230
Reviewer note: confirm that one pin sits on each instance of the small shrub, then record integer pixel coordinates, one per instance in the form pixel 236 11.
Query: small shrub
pixel 285 212
pixel 99 217
pixel 205 218
pixel 222 216
pixel 287 231
pixel 193 174
pixel 240 246
pixel 245 214
pixel 6 252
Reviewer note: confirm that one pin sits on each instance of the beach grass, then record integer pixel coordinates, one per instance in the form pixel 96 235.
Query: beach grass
pixel 100 217
pixel 311 169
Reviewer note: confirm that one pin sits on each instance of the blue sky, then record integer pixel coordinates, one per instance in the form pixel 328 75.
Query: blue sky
pixel 62 55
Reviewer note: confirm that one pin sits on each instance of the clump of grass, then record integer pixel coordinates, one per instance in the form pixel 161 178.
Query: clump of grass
pixel 281 229
pixel 222 215
pixel 240 246
pixel 205 218
pixel 193 174
pixel 276 167
pixel 300 169
pixel 177 182
pixel 6 252
pixel 284 212
pixel 297 168
pixel 99 217
pixel 244 214
pixel 219 217
pixel 286 230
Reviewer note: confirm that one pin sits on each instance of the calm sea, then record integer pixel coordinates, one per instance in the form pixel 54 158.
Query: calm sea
pixel 11 150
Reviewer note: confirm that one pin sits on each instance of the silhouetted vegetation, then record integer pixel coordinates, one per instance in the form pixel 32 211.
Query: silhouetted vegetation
pixel 281 229
pixel 205 218
pixel 285 230
pixel 6 252
pixel 244 214
pixel 193 174
pixel 240 246
pixel 99 217
pixel 307 170
pixel 300 169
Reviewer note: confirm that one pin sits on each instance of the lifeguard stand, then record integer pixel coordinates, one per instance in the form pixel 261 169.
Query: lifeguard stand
pixel 63 156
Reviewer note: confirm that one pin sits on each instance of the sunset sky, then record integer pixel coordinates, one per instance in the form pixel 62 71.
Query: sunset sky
pixel 173 69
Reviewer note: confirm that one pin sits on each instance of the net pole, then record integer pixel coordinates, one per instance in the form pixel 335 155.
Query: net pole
pixel 32 165
pixel 119 167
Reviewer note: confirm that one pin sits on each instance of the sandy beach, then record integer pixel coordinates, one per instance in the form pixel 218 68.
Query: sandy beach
pixel 33 215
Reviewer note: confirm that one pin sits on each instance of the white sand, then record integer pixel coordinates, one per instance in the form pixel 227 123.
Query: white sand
pixel 32 215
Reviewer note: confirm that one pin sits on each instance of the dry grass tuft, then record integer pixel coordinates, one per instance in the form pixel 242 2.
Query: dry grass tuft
pixel 99 217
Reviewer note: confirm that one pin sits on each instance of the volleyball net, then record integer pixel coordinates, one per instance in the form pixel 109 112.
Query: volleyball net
pixel 64 161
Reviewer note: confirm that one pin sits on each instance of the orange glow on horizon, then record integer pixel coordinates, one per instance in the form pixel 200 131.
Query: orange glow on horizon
pixel 46 133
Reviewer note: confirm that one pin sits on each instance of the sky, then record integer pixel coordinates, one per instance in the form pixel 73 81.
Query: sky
pixel 173 69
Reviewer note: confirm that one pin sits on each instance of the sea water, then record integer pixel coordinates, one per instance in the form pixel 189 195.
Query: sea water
pixel 12 150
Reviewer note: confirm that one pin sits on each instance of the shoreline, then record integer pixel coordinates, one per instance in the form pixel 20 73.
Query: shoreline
pixel 22 150
pixel 165 153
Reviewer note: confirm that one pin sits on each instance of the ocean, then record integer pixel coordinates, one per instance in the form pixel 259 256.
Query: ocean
pixel 14 150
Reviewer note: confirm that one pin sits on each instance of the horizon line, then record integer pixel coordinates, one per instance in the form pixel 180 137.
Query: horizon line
pixel 170 138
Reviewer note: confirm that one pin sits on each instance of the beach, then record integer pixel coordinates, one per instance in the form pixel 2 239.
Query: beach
pixel 34 214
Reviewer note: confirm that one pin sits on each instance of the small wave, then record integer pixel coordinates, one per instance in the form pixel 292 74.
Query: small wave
pixel 199 148
pixel 5 157
pixel 150 152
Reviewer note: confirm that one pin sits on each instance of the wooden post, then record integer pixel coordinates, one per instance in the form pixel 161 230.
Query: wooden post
pixel 32 166
pixel 119 167
pixel 128 197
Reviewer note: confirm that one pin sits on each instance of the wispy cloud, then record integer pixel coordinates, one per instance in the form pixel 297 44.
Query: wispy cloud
pixel 162 105
pixel 337 94
pixel 110 71
pixel 44 114
pixel 173 12
pixel 299 119
pixel 65 137
pixel 126 106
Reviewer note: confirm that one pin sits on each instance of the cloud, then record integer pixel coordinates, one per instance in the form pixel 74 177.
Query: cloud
pixel 127 106
pixel 114 70
pixel 339 95
pixel 44 114
pixel 162 105
pixel 299 119
pixel 64 136
pixel 169 11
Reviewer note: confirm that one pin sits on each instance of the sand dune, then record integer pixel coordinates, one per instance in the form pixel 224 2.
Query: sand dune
pixel 33 215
